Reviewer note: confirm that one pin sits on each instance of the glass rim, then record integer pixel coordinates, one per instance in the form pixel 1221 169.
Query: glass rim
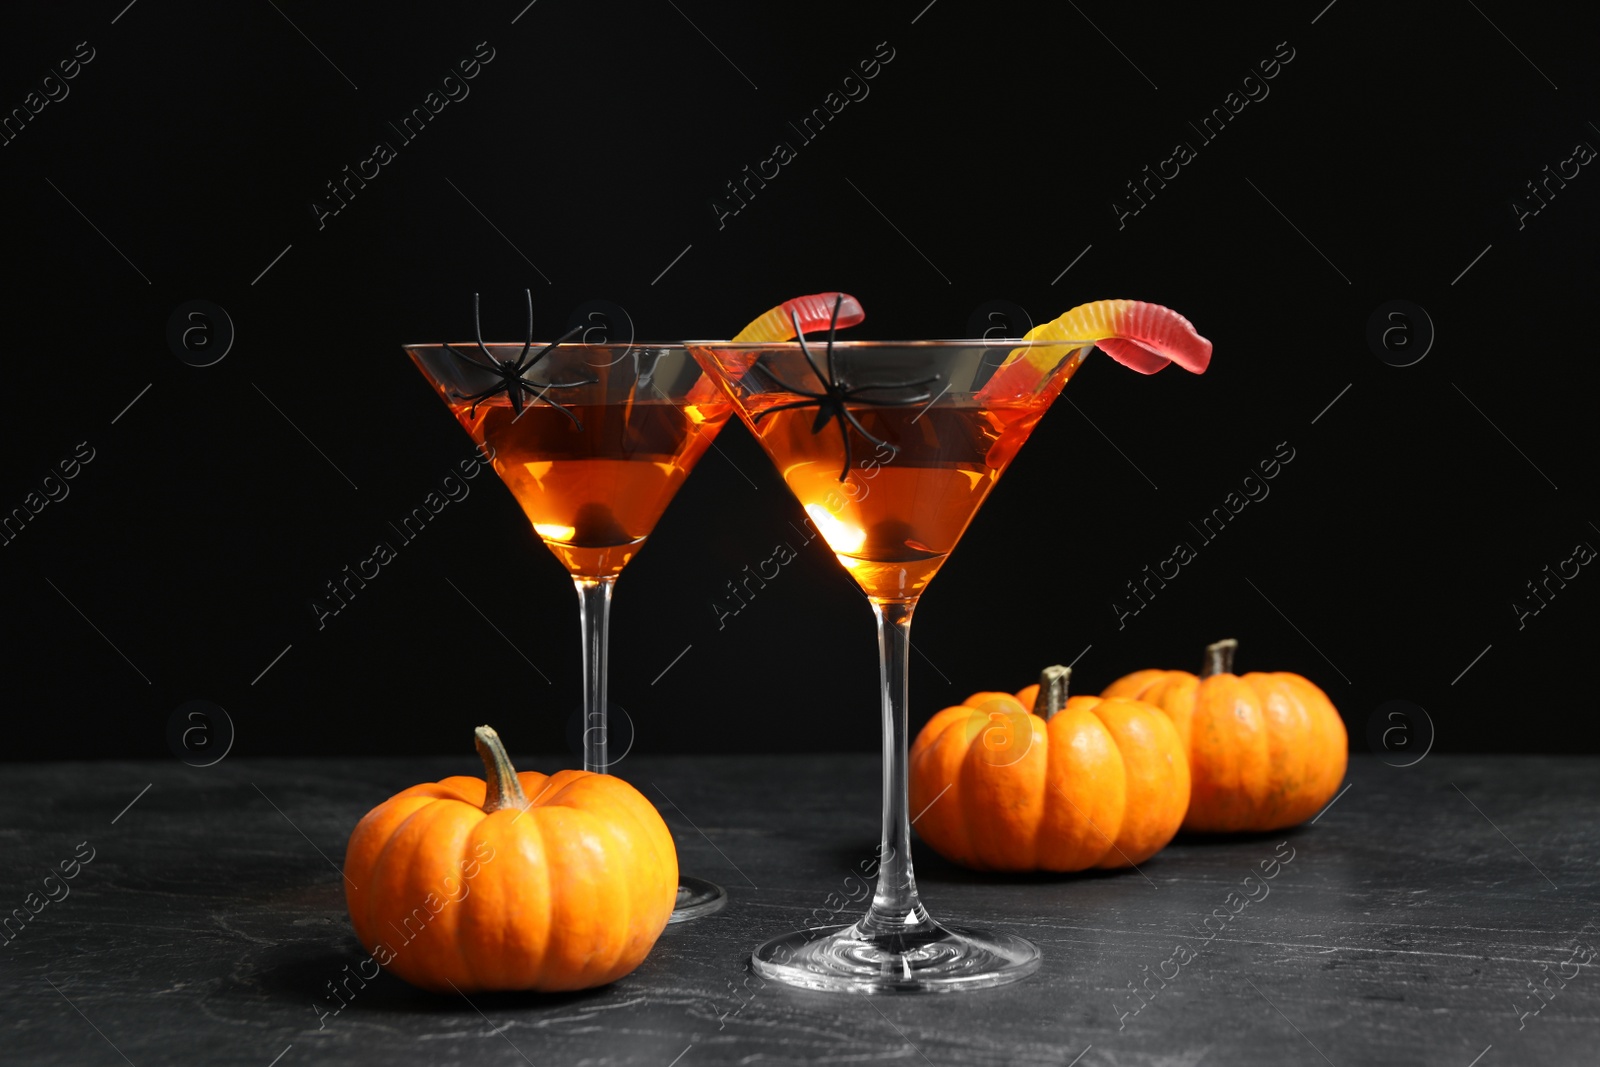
pixel 821 344
pixel 764 346
pixel 536 345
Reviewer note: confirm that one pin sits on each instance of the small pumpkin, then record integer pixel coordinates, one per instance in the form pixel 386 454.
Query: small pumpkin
pixel 465 884
pixel 1266 750
pixel 1041 781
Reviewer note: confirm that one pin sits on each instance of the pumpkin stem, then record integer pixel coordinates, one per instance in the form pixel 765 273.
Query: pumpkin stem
pixel 504 791
pixel 1219 658
pixel 1052 691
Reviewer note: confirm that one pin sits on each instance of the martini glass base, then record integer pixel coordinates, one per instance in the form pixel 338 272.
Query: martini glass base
pixel 697 897
pixel 939 959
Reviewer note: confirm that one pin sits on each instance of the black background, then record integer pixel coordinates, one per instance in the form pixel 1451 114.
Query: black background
pixel 984 161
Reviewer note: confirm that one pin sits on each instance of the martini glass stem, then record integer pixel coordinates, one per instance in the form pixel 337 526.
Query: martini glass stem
pixel 896 908
pixel 594 616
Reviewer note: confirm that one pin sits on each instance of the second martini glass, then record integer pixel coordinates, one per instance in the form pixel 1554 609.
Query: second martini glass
pixel 891 447
pixel 593 441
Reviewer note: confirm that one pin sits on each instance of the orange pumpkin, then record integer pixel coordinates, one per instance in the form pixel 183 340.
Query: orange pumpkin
pixel 466 884
pixel 1266 750
pixel 1038 781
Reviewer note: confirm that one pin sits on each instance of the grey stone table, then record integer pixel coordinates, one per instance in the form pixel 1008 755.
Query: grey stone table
pixel 1440 914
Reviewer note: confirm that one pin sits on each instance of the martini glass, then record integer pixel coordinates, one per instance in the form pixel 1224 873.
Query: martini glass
pixel 592 441
pixel 891 447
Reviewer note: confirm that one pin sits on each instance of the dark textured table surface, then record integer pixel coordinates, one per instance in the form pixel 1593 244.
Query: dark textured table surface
pixel 1438 914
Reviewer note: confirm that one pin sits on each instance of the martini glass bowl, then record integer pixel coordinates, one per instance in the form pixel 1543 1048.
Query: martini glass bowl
pixel 891 447
pixel 593 441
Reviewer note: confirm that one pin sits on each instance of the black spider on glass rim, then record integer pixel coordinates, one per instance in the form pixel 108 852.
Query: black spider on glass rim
pixel 510 371
pixel 836 393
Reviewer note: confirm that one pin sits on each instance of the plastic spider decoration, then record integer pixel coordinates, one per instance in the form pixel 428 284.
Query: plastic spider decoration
pixel 832 402
pixel 510 371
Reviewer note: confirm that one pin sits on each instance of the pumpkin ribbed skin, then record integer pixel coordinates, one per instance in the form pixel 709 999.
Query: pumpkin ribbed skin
pixel 1266 750
pixel 569 893
pixel 1103 783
